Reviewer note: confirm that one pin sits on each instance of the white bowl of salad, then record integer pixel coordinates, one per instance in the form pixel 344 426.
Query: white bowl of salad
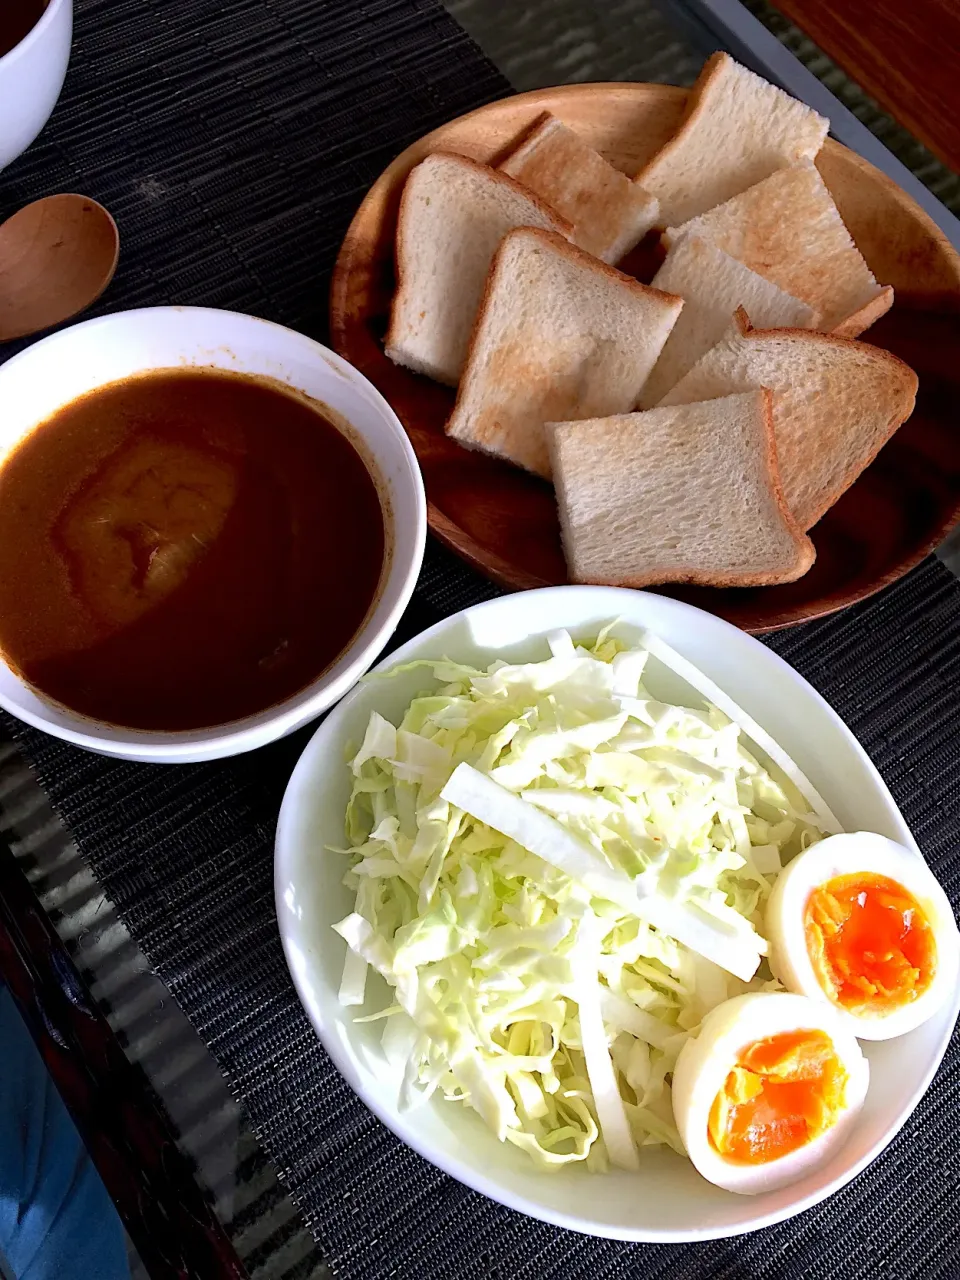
pixel 600 907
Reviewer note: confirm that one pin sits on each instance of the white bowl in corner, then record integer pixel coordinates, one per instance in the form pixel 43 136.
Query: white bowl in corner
pixel 31 77
pixel 51 373
pixel 667 1201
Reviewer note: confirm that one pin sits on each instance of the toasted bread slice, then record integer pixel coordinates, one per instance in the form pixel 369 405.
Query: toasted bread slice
pixel 713 285
pixel 453 214
pixel 559 335
pixel 738 128
pixel 788 229
pixel 836 403
pixel 684 494
pixel 609 213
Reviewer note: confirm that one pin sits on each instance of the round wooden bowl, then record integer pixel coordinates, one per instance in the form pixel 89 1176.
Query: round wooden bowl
pixel 504 522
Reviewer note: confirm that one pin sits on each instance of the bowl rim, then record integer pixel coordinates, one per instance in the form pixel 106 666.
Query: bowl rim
pixel 236 737
pixel 456 1167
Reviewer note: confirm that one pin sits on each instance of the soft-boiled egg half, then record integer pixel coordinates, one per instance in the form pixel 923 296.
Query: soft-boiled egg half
pixel 859 922
pixel 767 1090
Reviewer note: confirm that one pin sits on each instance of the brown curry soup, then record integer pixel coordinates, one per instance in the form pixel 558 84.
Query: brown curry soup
pixel 185 548
pixel 17 20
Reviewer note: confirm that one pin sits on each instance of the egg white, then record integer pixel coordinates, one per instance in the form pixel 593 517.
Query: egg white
pixel 848 854
pixel 706 1060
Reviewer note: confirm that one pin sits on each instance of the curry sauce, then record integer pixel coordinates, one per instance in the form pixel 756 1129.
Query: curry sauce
pixel 183 549
pixel 17 20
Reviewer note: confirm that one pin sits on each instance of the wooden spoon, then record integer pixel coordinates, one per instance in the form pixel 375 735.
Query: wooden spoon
pixel 57 256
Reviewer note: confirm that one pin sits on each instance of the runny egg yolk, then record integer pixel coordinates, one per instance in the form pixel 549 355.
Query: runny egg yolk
pixel 782 1093
pixel 869 942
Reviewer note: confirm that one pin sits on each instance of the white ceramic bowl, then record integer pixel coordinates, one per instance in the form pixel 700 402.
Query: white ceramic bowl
pixel 666 1200
pixel 31 77
pixel 53 372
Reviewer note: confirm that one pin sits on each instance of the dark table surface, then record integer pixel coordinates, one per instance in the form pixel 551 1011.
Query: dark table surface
pixel 897 53
pixel 212 131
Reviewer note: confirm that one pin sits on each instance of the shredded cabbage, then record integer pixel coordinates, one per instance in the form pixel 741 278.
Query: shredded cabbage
pixel 559 875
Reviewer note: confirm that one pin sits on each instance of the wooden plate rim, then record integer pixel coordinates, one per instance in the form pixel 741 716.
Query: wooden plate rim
pixel 488 563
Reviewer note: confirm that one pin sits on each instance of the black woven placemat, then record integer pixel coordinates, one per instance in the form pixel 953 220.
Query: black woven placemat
pixel 185 852
pixel 233 140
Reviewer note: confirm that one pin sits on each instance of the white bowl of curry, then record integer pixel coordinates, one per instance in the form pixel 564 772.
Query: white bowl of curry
pixel 209 527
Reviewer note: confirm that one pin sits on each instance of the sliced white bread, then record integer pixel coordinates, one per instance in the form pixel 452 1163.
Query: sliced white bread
pixel 685 494
pixel 836 403
pixel 713 285
pixel 609 213
pixel 453 214
pixel 788 229
pixel 559 335
pixel 737 129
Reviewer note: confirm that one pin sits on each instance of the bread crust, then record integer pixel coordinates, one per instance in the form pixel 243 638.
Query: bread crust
pixel 563 229
pixel 861 320
pixel 564 248
pixel 901 411
pixel 711 70
pixel 610 213
pixel 661 575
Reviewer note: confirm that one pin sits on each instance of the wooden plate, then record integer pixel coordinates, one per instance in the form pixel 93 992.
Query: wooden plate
pixel 504 522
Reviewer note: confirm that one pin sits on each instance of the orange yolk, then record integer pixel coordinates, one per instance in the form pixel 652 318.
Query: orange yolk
pixel 783 1092
pixel 870 943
